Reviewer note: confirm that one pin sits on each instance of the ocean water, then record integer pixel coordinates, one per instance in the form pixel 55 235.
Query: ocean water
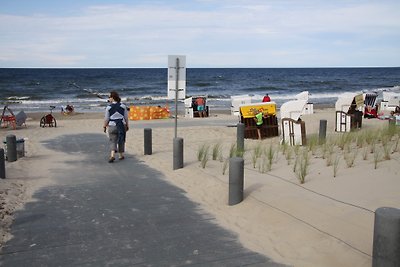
pixel 87 88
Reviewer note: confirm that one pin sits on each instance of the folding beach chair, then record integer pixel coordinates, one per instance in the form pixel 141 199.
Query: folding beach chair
pixel 8 120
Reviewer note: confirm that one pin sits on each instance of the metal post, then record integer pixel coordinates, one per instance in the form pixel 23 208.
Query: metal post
pixel 240 137
pixel 11 141
pixel 2 164
pixel 322 131
pixel 178 153
pixel 236 180
pixel 176 97
pixel 148 141
pixel 386 244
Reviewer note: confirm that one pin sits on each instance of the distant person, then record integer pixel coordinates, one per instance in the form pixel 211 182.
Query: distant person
pixel 201 106
pixel 397 110
pixel 68 110
pixel 266 98
pixel 116 120
pixel 258 118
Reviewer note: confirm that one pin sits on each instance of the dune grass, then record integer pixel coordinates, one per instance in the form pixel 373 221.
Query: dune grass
pixel 256 153
pixel 377 157
pixel 216 151
pixel 201 151
pixel 350 155
pixel 270 153
pixel 381 143
pixel 336 165
pixel 302 166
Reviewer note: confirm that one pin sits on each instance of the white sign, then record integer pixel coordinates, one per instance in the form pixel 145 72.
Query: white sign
pixel 173 71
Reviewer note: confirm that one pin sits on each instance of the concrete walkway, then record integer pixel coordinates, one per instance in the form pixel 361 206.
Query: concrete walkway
pixel 119 214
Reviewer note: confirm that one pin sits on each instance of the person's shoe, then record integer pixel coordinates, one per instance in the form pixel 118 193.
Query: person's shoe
pixel 121 158
pixel 111 160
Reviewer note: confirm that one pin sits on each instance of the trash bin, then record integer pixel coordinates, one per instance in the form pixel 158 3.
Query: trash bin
pixel 20 147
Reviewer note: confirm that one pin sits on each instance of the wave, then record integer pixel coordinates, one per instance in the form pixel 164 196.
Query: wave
pixel 18 97
pixel 395 88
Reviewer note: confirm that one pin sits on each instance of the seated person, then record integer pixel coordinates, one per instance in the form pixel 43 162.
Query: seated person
pixel 370 112
pixel 68 110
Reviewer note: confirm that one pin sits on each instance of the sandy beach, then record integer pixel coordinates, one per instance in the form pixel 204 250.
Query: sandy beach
pixel 325 221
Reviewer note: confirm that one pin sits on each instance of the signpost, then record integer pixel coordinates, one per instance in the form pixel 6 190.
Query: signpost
pixel 176 82
pixel 177 90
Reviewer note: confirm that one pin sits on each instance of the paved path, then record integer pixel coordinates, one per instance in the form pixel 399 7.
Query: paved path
pixel 120 214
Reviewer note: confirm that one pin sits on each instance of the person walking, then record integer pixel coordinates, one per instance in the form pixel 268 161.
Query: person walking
pixel 116 120
pixel 201 107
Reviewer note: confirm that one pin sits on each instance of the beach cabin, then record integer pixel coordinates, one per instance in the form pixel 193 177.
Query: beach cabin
pixel 237 101
pixel 191 107
pixel 270 122
pixel 309 107
pixel 390 101
pixel 293 128
pixel 348 112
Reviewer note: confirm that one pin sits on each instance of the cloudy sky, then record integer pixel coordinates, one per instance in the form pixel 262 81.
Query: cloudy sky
pixel 211 33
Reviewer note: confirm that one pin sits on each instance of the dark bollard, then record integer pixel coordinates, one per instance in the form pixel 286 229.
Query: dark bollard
pixel 236 180
pixel 11 141
pixel 322 131
pixel 178 153
pixel 2 164
pixel 147 141
pixel 240 137
pixel 386 245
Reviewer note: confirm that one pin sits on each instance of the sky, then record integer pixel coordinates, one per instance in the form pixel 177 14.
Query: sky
pixel 210 33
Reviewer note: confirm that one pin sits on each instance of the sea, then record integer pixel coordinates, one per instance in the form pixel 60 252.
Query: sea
pixel 36 89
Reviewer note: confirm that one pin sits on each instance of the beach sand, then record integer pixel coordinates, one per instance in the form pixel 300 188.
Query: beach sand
pixel 326 221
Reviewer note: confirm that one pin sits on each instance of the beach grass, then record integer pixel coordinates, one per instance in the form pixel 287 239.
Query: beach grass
pixel 232 150
pixel 225 166
pixel 365 153
pixel 289 155
pixel 270 154
pixel 350 156
pixel 302 168
pixel 377 157
pixel 256 154
pixel 216 151
pixel 313 143
pixel 205 157
pixel 336 165
pixel 201 151
pixel 382 143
